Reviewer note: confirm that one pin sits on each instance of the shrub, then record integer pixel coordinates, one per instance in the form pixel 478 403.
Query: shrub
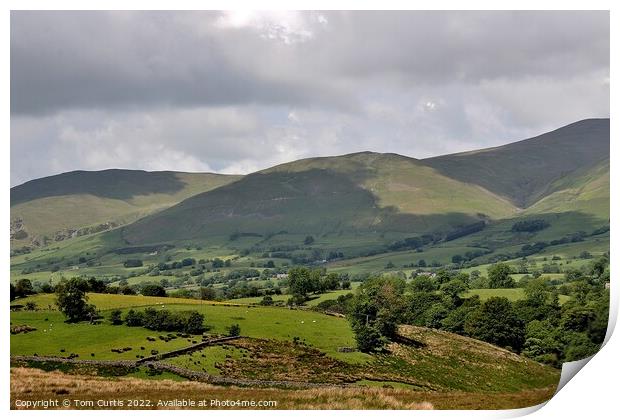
pixel 189 322
pixel 115 317
pixel 133 263
pixel 234 330
pixel 153 290
pixel 134 319
pixel 530 225
pixel 266 301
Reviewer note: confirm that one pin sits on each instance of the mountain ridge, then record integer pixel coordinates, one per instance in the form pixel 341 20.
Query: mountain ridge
pixel 378 193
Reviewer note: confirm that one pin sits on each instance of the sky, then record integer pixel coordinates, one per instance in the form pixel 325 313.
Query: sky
pixel 235 92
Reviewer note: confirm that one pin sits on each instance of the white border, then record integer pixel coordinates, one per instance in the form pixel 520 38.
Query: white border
pixel 591 394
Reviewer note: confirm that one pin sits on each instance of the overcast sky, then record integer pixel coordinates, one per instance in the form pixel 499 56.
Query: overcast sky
pixel 237 92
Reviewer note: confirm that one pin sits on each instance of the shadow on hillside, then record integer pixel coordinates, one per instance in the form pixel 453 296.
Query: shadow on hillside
pixel 112 183
pixel 401 339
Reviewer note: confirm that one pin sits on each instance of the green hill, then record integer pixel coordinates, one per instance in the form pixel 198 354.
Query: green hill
pixel 351 194
pixel 528 170
pixel 75 203
pixel 585 191
pixel 359 204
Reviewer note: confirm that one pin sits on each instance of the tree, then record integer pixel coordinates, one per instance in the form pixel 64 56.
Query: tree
pixel 96 286
pixel 453 290
pixel 71 300
pixel 13 293
pixel 598 267
pixel 115 317
pixel 234 330
pixel 435 315
pixel 376 309
pixel 194 322
pixel 416 306
pixel 309 240
pixel 536 292
pixel 496 322
pixel 133 263
pixel 23 288
pixel 153 290
pixel 368 338
pixel 499 276
pixel 187 262
pixel 423 284
pixel 303 281
pixel 455 320
pixel 329 282
pixel 207 293
pixel 530 225
pixel 134 318
pixel 266 301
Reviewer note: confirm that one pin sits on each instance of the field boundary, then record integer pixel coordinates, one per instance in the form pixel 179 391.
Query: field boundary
pixel 188 349
pixel 183 372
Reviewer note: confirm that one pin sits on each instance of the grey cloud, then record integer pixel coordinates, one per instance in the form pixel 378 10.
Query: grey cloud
pixel 236 93
pixel 107 59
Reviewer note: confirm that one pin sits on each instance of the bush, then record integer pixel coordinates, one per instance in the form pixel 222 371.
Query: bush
pixel 530 225
pixel 189 322
pixel 134 318
pixel 115 317
pixel 23 288
pixel 368 338
pixel 133 263
pixel 153 290
pixel 234 330
pixel 266 301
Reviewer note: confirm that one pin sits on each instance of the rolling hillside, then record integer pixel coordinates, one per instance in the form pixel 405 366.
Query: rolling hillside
pixel 75 203
pixel 585 191
pixel 564 172
pixel 528 170
pixel 358 204
pixel 357 193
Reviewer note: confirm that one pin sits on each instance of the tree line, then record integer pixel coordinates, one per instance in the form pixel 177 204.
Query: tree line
pixel 536 326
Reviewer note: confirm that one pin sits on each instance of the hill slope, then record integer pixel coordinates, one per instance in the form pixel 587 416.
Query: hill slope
pixel 74 203
pixel 362 192
pixel 528 170
pixel 584 191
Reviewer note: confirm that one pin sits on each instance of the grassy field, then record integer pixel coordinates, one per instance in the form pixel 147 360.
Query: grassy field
pixel 322 331
pixel 378 263
pixel 314 299
pixel 104 301
pixel 510 294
